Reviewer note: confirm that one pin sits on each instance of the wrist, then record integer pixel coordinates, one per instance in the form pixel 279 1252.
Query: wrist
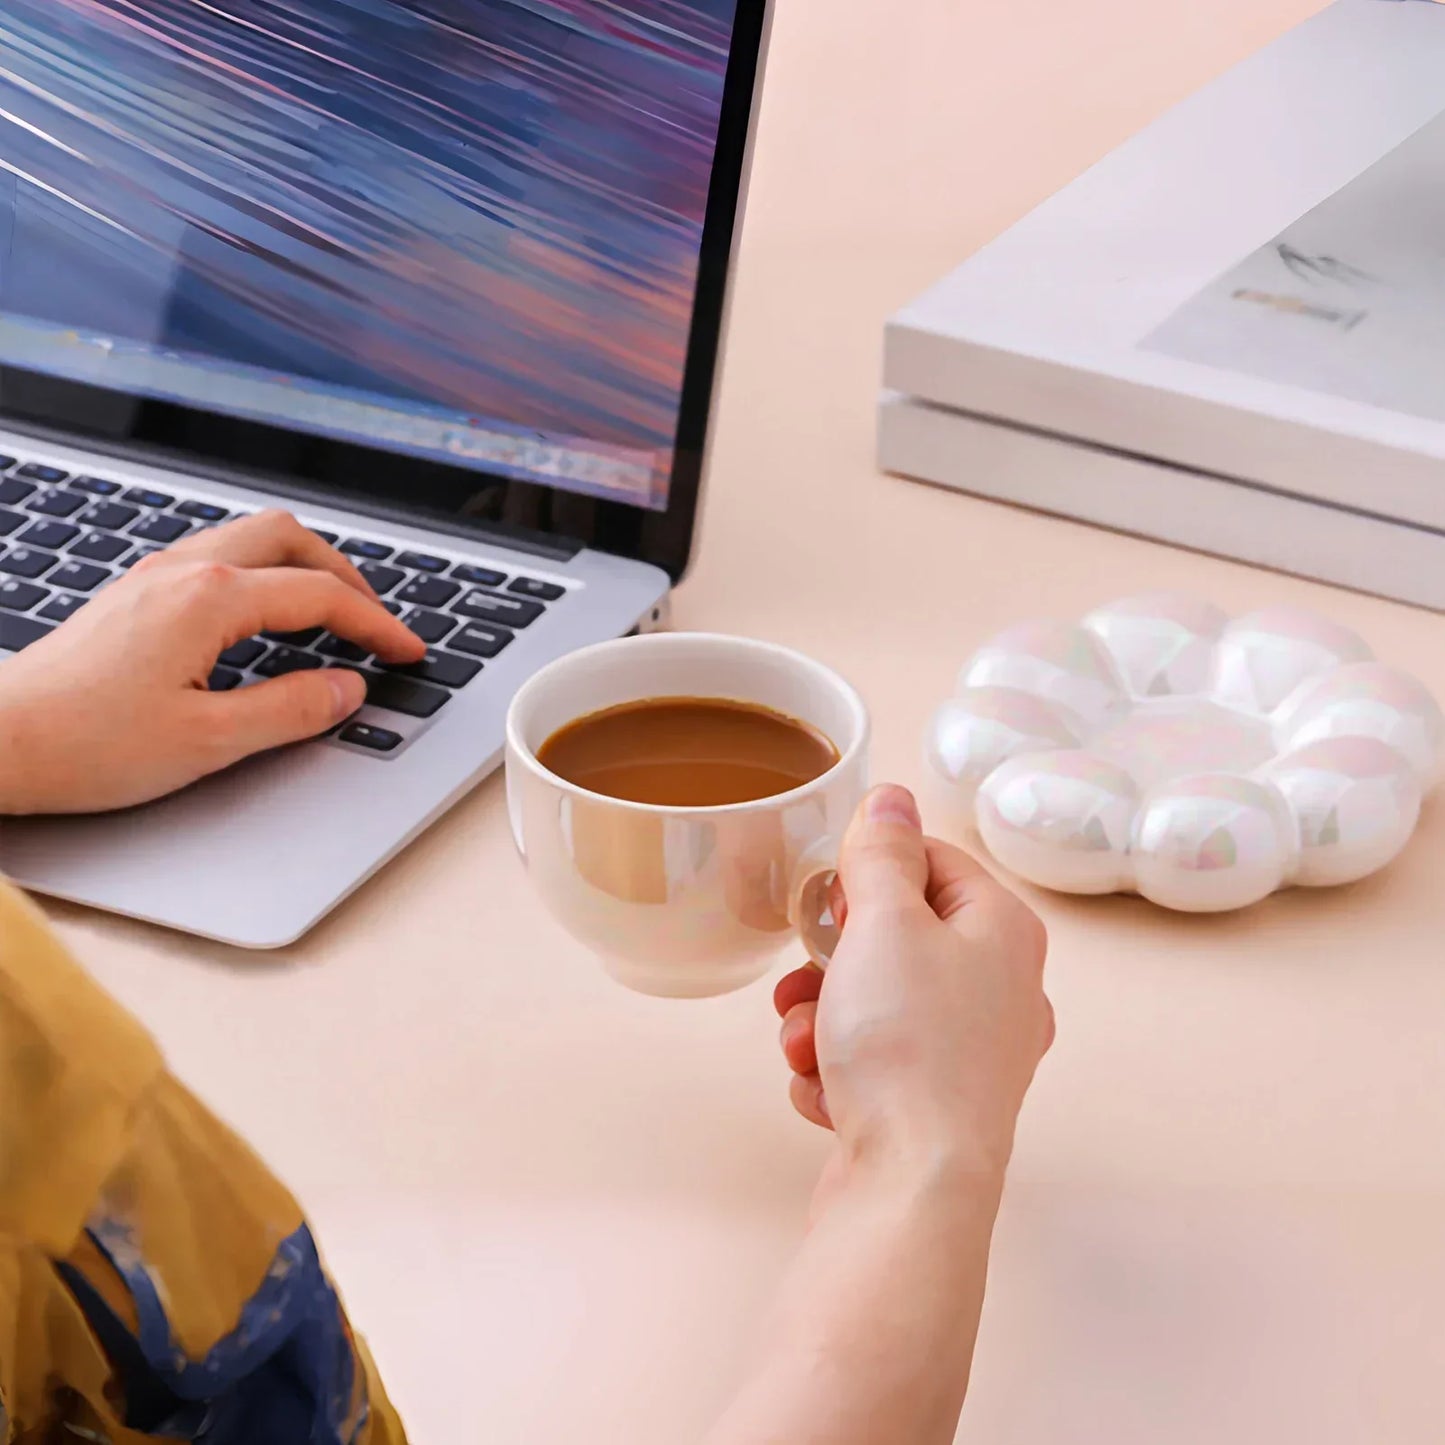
pixel 939 1179
pixel 930 1147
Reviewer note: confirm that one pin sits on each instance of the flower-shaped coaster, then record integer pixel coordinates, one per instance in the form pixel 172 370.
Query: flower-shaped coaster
pixel 1160 748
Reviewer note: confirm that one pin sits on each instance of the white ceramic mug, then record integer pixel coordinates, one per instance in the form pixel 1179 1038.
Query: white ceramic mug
pixel 685 902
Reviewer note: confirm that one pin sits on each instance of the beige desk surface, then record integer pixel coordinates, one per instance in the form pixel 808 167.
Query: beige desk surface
pixel 558 1209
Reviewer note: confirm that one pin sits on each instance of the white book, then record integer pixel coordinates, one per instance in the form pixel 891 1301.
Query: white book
pixel 1244 303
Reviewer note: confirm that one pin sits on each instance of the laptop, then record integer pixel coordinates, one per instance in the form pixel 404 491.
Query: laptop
pixel 446 279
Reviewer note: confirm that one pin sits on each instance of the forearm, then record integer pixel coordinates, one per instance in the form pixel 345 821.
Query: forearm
pixel 875 1329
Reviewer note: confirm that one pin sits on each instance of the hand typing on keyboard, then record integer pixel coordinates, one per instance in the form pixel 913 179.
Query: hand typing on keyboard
pixel 114 707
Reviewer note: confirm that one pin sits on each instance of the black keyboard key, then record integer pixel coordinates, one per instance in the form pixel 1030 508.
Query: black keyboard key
pixel 79 576
pixel 295 639
pixel 160 528
pixel 27 562
pixel 38 472
pixel 100 547
pixel 340 648
pixel 372 551
pixel 144 497
pixel 98 486
pixel 20 596
pixel 48 534
pixel 482 576
pixel 531 587
pixel 6 463
pixel 243 653
pixel 480 640
pixel 12 491
pixel 139 555
pixel 393 607
pixel 10 520
pixel 404 694
pixel 422 562
pixel 428 592
pixel 489 607
pixel 382 579
pixel 430 626
pixel 328 537
pixel 203 511
pixel 59 608
pixel 223 679
pixel 110 515
pixel 441 667
pixel 17 632
pixel 58 503
pixel 282 660
pixel 378 740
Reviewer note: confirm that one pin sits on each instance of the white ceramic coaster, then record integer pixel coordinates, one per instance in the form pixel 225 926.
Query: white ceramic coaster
pixel 1159 747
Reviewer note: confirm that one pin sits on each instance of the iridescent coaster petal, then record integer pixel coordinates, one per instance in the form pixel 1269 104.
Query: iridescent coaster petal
pixel 1162 645
pixel 1062 663
pixel 1061 819
pixel 1261 659
pixel 1163 749
pixel 1355 803
pixel 1370 700
pixel 1211 843
pixel 985 726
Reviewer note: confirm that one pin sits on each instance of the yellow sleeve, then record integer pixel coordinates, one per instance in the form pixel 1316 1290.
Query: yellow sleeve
pixel 154 1275
pixel 72 1067
pixel 9 1301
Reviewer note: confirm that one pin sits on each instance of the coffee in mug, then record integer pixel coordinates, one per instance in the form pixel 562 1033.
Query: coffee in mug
pixel 688 752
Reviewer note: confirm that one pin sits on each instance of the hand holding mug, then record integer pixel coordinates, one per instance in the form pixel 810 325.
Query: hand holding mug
pixel 919 1044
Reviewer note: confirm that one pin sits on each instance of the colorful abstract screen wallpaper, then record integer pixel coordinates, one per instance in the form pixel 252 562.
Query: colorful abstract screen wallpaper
pixel 463 229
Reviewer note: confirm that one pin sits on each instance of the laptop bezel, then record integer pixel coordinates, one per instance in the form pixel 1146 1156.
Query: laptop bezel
pixel 299 465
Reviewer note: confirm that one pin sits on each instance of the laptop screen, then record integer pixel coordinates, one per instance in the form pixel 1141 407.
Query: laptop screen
pixel 467 231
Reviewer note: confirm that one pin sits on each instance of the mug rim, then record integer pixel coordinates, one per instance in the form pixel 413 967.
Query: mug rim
pixel 523 752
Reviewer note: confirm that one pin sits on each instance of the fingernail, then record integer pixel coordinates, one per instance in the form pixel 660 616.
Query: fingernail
pixel 347 691
pixel 892 804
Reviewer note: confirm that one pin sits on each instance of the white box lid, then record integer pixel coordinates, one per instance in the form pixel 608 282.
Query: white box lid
pixel 1079 319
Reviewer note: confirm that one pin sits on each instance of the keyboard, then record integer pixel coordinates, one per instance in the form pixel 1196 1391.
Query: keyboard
pixel 64 536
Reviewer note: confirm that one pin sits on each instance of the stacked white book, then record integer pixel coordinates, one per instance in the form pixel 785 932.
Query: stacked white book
pixel 1230 333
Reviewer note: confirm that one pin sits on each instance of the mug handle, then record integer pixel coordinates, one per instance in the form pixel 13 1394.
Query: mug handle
pixel 809 910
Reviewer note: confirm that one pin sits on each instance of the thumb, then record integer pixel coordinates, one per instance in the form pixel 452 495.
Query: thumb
pixel 289 709
pixel 884 863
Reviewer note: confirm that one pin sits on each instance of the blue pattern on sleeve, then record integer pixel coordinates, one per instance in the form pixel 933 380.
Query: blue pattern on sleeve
pixel 286 1374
